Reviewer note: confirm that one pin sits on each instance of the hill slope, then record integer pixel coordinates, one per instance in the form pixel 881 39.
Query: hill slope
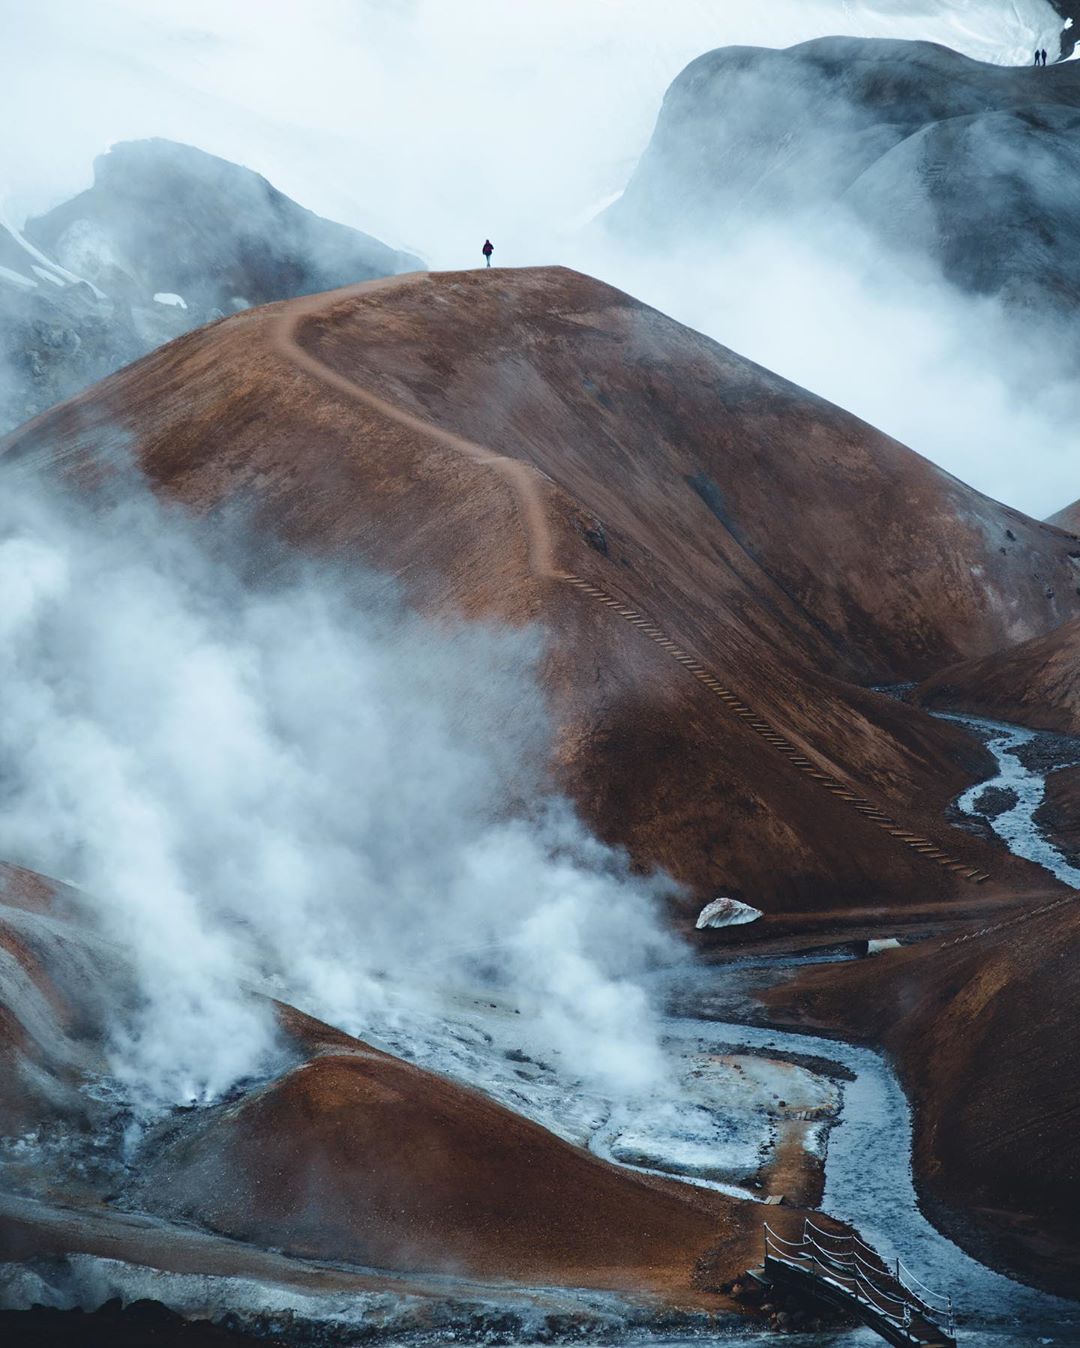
pixel 1035 684
pixel 345 1153
pixel 1067 519
pixel 741 552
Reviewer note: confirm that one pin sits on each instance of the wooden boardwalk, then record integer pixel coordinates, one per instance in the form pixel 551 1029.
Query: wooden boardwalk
pixel 843 1271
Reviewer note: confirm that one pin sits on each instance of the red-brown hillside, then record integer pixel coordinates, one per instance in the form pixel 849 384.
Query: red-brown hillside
pixel 54 979
pixel 485 436
pixel 353 1156
pixel 361 1157
pixel 1035 684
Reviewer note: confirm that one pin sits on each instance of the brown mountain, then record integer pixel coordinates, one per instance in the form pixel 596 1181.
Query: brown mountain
pixel 720 558
pixel 1035 684
pixel 721 562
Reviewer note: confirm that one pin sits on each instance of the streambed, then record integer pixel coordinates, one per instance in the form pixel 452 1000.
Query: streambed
pixel 1024 759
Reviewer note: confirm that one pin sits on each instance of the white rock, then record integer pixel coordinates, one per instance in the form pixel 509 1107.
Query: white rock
pixel 875 947
pixel 725 912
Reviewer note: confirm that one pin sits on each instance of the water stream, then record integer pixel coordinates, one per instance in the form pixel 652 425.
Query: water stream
pixel 868 1173
pixel 1016 826
pixel 869 1183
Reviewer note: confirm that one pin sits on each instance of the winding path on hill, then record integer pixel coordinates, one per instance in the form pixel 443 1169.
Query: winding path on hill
pixel 526 484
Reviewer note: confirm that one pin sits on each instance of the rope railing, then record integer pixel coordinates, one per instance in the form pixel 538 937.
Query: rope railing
pixel 907 1278
pixel 846 1266
pixel 811 1225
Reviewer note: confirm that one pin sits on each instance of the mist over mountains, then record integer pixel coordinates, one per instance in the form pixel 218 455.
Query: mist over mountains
pixel 961 165
pixel 168 238
pixel 400 664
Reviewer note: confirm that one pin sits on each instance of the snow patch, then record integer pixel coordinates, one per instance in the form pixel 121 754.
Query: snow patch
pixel 65 275
pixel 167 297
pixel 49 276
pixel 16 279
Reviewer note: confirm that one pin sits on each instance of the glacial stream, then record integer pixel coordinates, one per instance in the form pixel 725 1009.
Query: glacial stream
pixel 1016 826
pixel 868 1173
pixel 869 1183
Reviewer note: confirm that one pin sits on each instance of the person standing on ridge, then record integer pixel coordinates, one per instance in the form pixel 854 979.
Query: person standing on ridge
pixel 487 251
pixel 1044 56
pixel 1038 55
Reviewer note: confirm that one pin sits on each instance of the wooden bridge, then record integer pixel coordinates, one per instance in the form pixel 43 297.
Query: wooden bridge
pixel 845 1272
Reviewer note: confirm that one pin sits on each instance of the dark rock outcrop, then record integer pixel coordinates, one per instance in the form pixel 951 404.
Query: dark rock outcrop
pixel 168 218
pixel 969 165
pixel 1059 814
pixel 77 290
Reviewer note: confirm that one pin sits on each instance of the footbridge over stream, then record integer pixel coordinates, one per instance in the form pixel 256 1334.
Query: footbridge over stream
pixel 843 1271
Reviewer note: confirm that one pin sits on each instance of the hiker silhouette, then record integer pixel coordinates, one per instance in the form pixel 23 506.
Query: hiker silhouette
pixel 487 251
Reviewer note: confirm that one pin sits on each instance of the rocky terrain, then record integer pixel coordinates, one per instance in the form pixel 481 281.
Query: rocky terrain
pixel 911 140
pixel 1067 519
pixel 166 239
pixel 1059 814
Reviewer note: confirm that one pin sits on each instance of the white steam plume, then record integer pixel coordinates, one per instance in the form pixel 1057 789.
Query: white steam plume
pixel 295 783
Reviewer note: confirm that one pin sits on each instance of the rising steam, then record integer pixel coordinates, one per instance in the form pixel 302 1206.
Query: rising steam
pixel 295 785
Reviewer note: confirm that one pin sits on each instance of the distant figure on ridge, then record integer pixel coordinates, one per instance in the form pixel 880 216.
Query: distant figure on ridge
pixel 1038 56
pixel 1044 56
pixel 487 250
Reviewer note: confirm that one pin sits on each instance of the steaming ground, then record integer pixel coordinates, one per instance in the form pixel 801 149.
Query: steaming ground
pixel 287 786
pixel 989 395
pixel 291 785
